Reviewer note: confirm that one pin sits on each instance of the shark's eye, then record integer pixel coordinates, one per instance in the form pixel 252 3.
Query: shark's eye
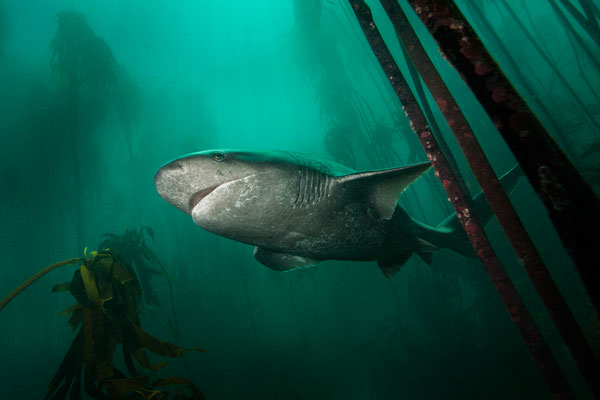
pixel 218 157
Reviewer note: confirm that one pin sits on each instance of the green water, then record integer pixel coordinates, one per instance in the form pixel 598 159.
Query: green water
pixel 77 162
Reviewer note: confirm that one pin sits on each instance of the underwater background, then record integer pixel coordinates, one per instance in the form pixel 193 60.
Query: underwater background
pixel 158 79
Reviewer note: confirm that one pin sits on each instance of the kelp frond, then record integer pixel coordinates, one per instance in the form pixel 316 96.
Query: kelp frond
pixel 132 247
pixel 105 315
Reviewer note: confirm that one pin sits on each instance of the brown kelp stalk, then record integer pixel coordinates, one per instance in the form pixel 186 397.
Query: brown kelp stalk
pixel 509 220
pixel 460 201
pixel 573 207
pixel 34 278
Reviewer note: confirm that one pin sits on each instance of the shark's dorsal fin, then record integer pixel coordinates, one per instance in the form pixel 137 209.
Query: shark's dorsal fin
pixel 384 187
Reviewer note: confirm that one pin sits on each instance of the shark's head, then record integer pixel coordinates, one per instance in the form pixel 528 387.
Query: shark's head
pixel 220 188
pixel 186 181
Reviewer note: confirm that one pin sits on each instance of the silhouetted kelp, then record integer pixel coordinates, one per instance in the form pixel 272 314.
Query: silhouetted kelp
pixel 88 80
pixel 587 18
pixel 105 315
pixel 589 164
pixel 349 118
pixel 561 127
pixel 84 71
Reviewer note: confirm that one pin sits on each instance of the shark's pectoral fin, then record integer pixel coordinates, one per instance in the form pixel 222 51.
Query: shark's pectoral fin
pixel 282 261
pixel 384 187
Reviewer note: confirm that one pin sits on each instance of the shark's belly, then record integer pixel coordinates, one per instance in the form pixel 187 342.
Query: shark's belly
pixel 322 233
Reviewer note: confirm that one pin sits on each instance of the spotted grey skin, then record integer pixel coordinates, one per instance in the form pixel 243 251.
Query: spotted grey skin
pixel 297 209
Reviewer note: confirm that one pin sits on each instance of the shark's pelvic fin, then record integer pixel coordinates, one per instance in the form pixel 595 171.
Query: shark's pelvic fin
pixel 282 262
pixel 384 187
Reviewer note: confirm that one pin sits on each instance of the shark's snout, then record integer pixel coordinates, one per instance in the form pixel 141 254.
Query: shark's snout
pixel 172 169
pixel 161 178
pixel 187 181
pixel 168 181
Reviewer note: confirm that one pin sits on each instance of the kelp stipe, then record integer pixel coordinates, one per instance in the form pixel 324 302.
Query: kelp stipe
pixel 570 202
pixel 558 308
pixel 35 277
pixel 462 204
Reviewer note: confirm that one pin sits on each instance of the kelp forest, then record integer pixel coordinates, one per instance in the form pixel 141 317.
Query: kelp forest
pixel 108 292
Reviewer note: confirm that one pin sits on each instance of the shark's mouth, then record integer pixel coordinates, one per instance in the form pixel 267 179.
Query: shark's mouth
pixel 198 196
pixel 201 194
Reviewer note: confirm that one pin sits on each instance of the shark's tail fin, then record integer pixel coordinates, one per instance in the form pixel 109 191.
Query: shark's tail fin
pixel 450 234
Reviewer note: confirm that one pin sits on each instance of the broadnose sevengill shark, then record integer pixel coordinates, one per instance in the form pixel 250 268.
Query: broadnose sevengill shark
pixel 299 210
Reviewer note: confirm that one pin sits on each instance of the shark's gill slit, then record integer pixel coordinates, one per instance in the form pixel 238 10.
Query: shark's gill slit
pixel 311 187
pixel 299 186
pixel 304 183
pixel 316 188
pixel 319 186
pixel 311 193
pixel 307 187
